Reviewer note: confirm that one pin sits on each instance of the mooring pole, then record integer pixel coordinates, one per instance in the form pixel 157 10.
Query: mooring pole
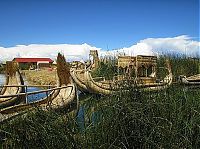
pixel 77 97
pixel 26 94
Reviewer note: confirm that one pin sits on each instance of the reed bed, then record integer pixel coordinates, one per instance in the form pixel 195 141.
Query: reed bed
pixel 169 119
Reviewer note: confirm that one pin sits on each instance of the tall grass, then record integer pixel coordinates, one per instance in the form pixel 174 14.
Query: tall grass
pixel 39 129
pixel 180 65
pixel 107 69
pixel 1 69
pixel 169 119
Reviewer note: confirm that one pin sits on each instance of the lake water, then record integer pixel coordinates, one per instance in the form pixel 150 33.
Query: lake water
pixel 2 79
pixel 34 97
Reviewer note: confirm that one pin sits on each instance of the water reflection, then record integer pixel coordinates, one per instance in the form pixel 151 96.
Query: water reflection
pixel 34 97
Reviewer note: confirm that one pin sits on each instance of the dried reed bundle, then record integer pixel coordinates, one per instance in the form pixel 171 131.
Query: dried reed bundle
pixel 11 68
pixel 63 70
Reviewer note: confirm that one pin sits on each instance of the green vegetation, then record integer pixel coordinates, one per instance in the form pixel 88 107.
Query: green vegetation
pixel 24 66
pixel 168 119
pixel 135 119
pixel 38 129
pixel 180 66
pixel 1 69
pixel 186 66
pixel 107 69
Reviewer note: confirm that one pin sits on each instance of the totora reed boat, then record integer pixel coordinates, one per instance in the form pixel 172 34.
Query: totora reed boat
pixel 113 86
pixel 14 85
pixel 79 78
pixel 190 81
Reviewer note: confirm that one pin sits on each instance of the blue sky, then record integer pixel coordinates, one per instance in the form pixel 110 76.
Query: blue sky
pixel 107 24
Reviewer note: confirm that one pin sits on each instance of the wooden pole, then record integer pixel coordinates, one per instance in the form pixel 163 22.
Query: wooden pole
pixel 26 91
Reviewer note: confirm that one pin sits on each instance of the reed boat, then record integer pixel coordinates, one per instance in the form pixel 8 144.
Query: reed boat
pixel 77 73
pixel 58 98
pixel 14 85
pixel 192 80
pixel 107 87
pixel 79 78
pixel 62 96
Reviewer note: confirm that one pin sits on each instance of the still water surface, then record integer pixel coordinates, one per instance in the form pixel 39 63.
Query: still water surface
pixel 2 79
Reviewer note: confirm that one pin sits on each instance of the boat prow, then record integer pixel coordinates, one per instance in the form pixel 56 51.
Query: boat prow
pixel 190 81
pixel 12 87
pixel 102 87
pixel 79 78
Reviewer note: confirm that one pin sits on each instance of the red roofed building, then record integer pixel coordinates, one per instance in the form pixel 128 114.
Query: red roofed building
pixel 33 63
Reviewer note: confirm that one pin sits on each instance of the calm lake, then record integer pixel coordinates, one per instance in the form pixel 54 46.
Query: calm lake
pixel 2 79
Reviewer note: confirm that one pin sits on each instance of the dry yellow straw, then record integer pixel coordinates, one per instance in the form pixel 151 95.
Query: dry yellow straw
pixel 11 68
pixel 63 70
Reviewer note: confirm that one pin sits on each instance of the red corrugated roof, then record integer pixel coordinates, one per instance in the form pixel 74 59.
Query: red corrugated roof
pixel 24 60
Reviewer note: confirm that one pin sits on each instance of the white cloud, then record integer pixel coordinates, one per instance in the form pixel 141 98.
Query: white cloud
pixel 154 46
pixel 180 44
pixel 150 46
pixel 72 52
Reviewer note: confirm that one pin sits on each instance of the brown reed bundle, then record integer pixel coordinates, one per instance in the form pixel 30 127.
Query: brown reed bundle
pixel 11 68
pixel 63 70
